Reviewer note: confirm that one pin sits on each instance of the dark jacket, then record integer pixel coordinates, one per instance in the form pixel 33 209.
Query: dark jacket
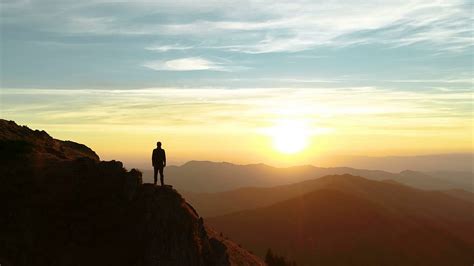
pixel 158 159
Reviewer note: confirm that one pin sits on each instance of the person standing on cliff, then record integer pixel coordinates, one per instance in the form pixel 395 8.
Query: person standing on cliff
pixel 158 159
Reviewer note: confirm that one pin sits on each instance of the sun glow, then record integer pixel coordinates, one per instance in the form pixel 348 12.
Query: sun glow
pixel 289 137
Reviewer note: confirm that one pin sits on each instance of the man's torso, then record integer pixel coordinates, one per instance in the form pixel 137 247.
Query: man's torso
pixel 158 156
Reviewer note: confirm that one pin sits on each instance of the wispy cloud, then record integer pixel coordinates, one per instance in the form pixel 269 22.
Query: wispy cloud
pixel 310 40
pixel 166 48
pixel 331 106
pixel 271 26
pixel 364 119
pixel 186 64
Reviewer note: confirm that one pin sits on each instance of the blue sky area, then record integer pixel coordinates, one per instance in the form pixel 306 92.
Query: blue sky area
pixel 136 44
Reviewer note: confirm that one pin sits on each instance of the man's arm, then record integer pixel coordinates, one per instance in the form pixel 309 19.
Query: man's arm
pixel 164 158
pixel 153 158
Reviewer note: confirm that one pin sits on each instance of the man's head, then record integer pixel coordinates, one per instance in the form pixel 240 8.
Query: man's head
pixel 158 144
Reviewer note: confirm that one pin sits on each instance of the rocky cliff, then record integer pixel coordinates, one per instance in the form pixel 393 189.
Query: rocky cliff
pixel 61 205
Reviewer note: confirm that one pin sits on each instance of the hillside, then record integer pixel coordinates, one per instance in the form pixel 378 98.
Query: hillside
pixel 211 177
pixel 214 204
pixel 449 162
pixel 460 194
pixel 348 220
pixel 61 205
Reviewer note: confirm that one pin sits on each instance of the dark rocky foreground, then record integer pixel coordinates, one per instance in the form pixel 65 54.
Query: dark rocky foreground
pixel 61 205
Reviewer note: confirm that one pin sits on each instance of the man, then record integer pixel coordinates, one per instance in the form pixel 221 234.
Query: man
pixel 158 160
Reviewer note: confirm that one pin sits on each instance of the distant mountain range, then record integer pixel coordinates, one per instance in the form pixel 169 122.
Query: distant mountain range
pixel 424 163
pixel 219 203
pixel 208 177
pixel 349 220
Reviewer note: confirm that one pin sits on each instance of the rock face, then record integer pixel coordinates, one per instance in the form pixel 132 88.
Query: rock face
pixel 21 141
pixel 61 205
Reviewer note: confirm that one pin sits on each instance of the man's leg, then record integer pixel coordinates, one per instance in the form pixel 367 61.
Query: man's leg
pixel 162 177
pixel 155 174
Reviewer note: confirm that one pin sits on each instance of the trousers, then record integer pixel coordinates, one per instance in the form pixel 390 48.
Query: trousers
pixel 155 174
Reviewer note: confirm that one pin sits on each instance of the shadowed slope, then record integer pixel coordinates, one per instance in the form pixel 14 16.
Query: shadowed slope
pixel 460 194
pixel 348 220
pixel 213 204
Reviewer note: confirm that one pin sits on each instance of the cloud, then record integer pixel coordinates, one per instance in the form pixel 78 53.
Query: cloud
pixel 360 108
pixel 166 48
pixel 271 45
pixel 185 64
pixel 443 25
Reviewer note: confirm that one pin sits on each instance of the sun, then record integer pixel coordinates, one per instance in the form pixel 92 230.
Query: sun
pixel 289 137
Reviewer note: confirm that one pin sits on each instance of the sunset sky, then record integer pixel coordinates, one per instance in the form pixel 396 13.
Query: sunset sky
pixel 242 81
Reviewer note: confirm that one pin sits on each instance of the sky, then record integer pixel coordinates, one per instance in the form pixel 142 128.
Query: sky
pixel 241 80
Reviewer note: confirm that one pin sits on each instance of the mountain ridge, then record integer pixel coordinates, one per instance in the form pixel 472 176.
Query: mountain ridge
pixel 211 177
pixel 214 204
pixel 348 220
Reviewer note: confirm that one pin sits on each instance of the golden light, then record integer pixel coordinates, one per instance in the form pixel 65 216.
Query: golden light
pixel 289 137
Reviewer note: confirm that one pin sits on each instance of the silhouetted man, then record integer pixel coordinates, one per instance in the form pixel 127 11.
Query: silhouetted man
pixel 158 160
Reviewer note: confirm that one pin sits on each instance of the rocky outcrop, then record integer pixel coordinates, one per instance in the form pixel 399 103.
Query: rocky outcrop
pixel 61 205
pixel 20 141
pixel 169 232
